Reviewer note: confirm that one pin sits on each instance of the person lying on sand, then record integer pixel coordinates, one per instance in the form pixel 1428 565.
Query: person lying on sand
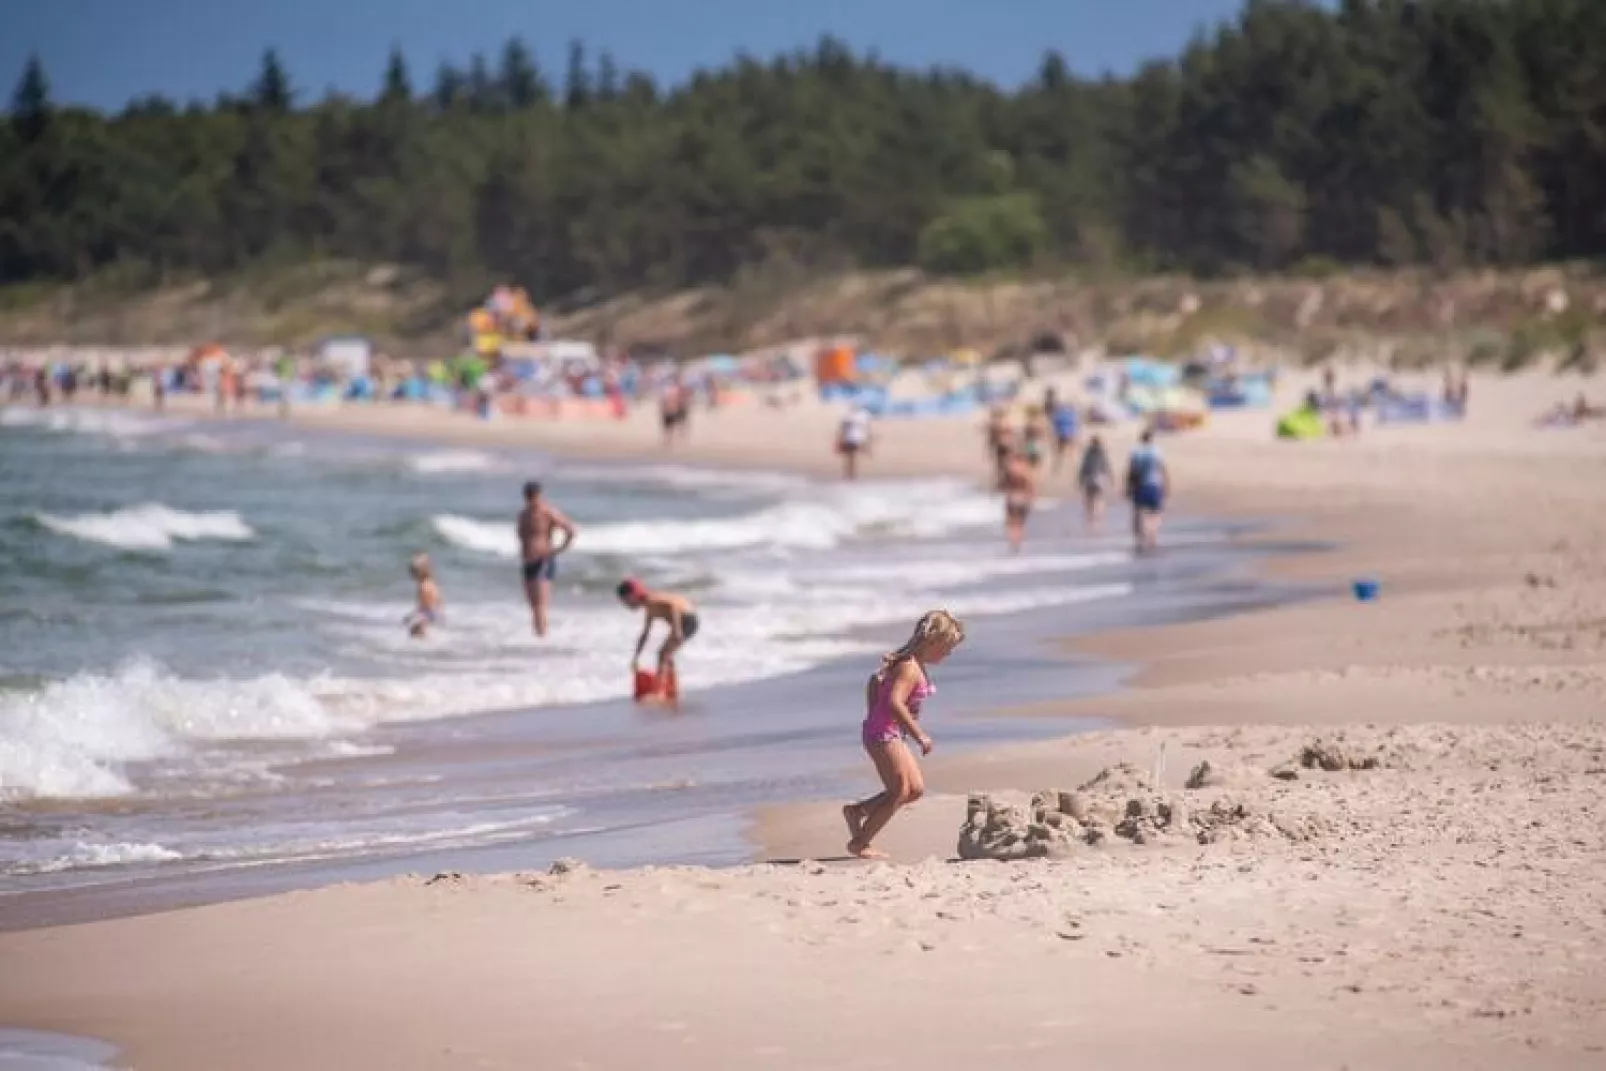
pixel 893 697
pixel 676 611
pixel 428 610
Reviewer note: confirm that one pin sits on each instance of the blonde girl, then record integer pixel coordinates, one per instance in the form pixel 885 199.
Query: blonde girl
pixel 892 698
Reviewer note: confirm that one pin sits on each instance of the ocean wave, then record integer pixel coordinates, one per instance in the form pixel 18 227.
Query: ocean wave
pixel 821 518
pixel 687 477
pixel 74 738
pixel 85 855
pixel 152 526
pixel 482 537
pixel 442 462
pixel 115 423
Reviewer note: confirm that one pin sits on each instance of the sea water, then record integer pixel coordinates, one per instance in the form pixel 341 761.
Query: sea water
pixel 204 672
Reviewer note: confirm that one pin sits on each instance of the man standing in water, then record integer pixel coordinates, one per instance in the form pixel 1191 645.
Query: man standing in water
pixel 538 523
pixel 1148 482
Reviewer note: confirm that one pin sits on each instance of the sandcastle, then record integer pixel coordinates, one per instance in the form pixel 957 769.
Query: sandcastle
pixel 1122 804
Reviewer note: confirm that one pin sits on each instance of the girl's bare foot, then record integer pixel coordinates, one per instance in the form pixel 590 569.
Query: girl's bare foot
pixel 853 814
pixel 864 851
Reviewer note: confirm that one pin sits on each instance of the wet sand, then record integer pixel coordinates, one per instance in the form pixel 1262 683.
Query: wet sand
pixel 1438 903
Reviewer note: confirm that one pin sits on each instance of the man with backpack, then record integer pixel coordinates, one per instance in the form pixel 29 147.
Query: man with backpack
pixel 1148 483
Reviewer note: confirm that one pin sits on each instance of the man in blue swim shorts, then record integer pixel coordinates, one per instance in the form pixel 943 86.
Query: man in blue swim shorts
pixel 539 523
pixel 1148 484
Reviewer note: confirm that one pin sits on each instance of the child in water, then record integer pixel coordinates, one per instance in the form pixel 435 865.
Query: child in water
pixel 428 610
pixel 892 699
pixel 676 611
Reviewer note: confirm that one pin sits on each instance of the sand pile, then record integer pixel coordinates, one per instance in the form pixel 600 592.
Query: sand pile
pixel 1121 803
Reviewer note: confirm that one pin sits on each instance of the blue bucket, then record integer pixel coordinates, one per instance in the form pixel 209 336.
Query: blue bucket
pixel 1365 590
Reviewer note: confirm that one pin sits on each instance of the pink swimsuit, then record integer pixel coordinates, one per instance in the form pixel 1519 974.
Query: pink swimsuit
pixel 881 726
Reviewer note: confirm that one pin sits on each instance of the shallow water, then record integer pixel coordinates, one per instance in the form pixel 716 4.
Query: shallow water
pixel 37 1050
pixel 205 688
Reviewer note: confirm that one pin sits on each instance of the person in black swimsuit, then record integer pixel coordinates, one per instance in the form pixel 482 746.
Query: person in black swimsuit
pixel 676 611
pixel 538 550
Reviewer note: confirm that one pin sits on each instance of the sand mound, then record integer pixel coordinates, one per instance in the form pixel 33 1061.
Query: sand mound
pixel 1335 754
pixel 1121 779
pixel 1057 823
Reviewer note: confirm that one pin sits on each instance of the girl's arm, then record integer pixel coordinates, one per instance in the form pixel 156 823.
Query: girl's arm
pixel 641 641
pixel 903 682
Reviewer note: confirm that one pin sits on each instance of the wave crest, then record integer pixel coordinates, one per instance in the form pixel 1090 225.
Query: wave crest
pixel 151 526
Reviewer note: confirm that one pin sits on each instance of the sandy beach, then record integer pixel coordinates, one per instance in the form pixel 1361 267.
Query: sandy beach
pixel 1391 854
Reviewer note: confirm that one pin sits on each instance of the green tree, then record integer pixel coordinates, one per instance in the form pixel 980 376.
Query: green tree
pixel 398 85
pixel 1268 213
pixel 522 86
pixel 984 234
pixel 450 90
pixel 271 91
pixel 577 81
pixel 30 102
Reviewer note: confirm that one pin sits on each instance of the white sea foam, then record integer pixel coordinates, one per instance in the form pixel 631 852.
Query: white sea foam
pixel 110 422
pixel 482 537
pixel 81 854
pixel 814 518
pixel 152 526
pixel 74 738
pixel 441 462
pixel 692 479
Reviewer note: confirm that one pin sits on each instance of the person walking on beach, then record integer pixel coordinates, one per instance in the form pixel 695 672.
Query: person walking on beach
pixel 853 439
pixel 893 697
pixel 1033 434
pixel 1000 439
pixel 1148 483
pixel 428 610
pixel 1094 476
pixel 673 610
pixel 674 410
pixel 1063 420
pixel 539 525
pixel 1019 485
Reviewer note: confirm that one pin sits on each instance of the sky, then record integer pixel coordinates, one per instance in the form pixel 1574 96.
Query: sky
pixel 102 53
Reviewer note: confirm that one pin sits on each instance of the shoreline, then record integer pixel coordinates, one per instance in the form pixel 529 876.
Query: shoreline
pixel 1437 905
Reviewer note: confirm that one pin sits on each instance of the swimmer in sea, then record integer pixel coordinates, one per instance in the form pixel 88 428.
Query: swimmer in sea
pixel 673 610
pixel 428 610
pixel 538 524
